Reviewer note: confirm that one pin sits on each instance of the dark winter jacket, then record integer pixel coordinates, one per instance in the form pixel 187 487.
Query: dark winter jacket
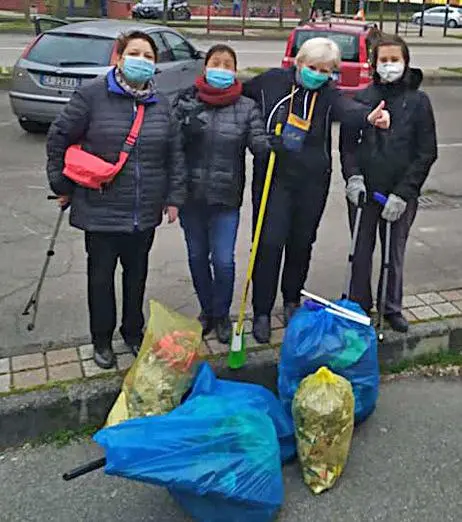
pixel 271 90
pixel 215 141
pixel 397 160
pixel 99 116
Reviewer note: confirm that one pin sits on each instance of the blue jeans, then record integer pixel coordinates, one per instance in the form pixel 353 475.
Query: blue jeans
pixel 210 233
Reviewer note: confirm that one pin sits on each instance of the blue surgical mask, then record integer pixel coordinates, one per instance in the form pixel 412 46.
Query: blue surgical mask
pixel 312 80
pixel 220 78
pixel 137 69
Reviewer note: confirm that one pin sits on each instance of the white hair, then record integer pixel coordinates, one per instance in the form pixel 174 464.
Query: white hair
pixel 319 51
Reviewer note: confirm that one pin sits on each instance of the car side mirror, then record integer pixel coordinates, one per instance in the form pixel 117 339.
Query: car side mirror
pixel 199 55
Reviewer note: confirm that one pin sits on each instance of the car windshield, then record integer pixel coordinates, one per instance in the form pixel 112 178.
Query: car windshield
pixel 348 43
pixel 66 50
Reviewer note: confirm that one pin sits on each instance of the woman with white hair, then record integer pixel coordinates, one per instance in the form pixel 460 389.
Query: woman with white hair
pixel 304 99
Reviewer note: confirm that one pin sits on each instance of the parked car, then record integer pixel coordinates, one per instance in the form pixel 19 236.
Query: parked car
pixel 62 59
pixel 437 16
pixel 355 71
pixel 153 9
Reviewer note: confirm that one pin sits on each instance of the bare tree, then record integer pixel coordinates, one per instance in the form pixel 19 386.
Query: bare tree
pixel 95 8
pixel 306 6
pixel 26 6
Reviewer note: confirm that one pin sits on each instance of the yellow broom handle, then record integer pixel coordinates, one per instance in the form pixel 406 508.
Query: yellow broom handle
pixel 258 229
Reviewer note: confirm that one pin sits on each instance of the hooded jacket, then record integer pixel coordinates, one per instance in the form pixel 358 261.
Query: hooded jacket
pixel 215 139
pixel 397 160
pixel 99 116
pixel 272 91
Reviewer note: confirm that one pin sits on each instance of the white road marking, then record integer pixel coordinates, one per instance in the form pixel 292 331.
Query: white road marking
pixel 449 145
pixel 27 229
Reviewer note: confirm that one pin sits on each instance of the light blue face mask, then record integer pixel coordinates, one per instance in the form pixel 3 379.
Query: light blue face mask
pixel 138 70
pixel 220 78
pixel 312 80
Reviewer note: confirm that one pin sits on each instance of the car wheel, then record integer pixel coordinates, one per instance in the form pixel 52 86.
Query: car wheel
pixel 417 20
pixel 452 24
pixel 182 14
pixel 34 127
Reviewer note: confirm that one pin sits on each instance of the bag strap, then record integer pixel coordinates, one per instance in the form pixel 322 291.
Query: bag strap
pixel 291 103
pixel 130 140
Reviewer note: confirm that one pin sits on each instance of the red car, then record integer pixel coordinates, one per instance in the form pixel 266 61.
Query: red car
pixel 355 71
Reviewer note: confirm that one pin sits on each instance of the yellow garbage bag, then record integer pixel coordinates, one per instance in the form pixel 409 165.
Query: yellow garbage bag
pixel 323 412
pixel 164 369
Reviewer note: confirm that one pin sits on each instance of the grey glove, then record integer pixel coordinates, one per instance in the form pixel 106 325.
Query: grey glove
pixel 394 208
pixel 354 188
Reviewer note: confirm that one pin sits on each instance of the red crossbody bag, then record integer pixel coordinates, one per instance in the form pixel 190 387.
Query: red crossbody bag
pixel 90 171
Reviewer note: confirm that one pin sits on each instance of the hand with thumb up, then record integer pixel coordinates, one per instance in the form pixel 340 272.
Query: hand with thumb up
pixel 380 117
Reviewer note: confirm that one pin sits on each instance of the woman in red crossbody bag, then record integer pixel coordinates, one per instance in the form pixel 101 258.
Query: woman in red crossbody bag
pixel 115 153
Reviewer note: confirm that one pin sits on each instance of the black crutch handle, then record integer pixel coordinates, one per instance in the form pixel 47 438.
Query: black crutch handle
pixel 86 468
pixel 55 198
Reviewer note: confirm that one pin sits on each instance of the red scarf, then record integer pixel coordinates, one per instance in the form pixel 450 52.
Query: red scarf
pixel 218 97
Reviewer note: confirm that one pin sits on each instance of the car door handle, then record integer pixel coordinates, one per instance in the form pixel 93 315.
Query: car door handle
pixel 184 68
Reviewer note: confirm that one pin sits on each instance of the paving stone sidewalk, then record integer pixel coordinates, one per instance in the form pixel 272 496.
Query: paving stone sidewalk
pixel 27 371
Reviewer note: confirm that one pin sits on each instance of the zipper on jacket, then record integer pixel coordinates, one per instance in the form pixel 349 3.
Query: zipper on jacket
pixel 209 147
pixel 137 178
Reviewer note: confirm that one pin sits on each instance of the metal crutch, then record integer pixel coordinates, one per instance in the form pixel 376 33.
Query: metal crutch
pixel 354 241
pixel 34 298
pixel 380 198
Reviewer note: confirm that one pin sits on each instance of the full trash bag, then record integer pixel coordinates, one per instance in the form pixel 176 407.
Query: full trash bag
pixel 316 338
pixel 249 395
pixel 218 458
pixel 323 410
pixel 164 369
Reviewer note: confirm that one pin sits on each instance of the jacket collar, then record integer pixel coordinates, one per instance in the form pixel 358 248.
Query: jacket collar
pixel 115 88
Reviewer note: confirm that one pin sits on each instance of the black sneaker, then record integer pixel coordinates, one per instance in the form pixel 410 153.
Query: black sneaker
pixel 262 329
pixel 103 355
pixel 206 323
pixel 224 329
pixel 397 322
pixel 289 310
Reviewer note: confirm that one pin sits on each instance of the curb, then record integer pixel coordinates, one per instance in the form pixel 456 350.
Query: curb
pixel 431 77
pixel 32 415
pixel 237 36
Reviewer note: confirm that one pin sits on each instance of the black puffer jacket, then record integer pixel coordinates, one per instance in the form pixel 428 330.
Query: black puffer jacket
pixel 397 160
pixel 215 141
pixel 100 116
pixel 272 91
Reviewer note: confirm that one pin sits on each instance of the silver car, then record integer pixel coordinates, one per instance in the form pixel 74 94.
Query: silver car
pixel 437 16
pixel 62 59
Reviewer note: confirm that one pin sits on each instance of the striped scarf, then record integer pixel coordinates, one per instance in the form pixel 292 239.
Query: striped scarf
pixel 139 94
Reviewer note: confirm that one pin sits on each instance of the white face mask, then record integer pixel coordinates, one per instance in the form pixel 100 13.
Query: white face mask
pixel 390 71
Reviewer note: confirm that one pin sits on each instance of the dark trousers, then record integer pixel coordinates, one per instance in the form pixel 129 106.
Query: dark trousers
pixel 292 219
pixel 103 252
pixel 210 233
pixel 362 266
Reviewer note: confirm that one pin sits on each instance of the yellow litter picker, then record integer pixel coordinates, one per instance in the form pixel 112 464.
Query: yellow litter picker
pixel 237 354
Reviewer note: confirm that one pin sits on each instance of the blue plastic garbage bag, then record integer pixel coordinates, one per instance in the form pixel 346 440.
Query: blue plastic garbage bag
pixel 219 459
pixel 316 338
pixel 249 395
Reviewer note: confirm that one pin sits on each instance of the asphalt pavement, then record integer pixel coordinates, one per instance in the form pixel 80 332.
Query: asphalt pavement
pixel 26 221
pixel 258 53
pixel 405 466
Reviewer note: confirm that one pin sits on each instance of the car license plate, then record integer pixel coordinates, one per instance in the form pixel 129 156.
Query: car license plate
pixel 61 82
pixel 336 76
